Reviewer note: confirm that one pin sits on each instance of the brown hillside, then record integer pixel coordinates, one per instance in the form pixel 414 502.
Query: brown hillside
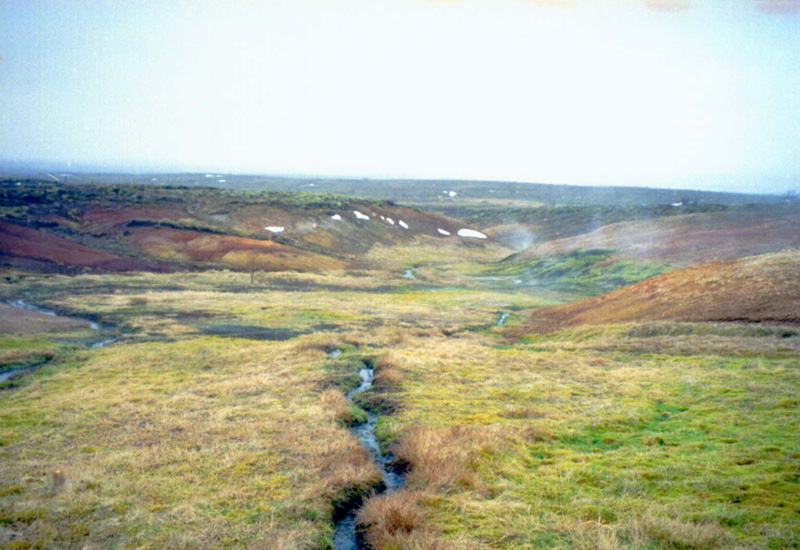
pixel 185 245
pixel 101 227
pixel 26 243
pixel 689 240
pixel 763 288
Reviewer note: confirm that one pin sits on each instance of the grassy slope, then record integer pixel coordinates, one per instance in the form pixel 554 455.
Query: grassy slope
pixel 760 288
pixel 582 272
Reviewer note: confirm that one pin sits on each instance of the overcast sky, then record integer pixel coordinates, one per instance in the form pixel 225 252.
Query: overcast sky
pixel 678 93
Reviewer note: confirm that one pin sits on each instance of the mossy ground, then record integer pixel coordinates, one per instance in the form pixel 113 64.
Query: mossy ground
pixel 582 272
pixel 586 448
pixel 659 436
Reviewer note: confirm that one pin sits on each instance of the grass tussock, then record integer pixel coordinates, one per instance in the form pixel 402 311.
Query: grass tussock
pixel 672 532
pixel 345 467
pixel 324 342
pixel 342 409
pixel 396 520
pixel 441 458
pixel 388 373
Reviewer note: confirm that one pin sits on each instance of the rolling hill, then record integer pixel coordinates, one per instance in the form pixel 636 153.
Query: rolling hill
pixel 54 226
pixel 689 239
pixel 762 288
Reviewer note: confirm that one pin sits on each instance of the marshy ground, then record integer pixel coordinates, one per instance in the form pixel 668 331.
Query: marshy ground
pixel 664 435
pixel 219 417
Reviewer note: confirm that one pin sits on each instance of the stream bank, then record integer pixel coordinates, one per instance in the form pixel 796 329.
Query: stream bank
pixel 23 305
pixel 346 535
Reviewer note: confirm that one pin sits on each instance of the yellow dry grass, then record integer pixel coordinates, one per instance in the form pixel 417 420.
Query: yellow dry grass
pixel 193 443
pixel 657 435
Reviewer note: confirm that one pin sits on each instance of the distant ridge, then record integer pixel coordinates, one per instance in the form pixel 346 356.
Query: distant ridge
pixel 689 239
pixel 410 191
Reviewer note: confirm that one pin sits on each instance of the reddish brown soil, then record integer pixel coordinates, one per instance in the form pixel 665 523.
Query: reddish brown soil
pixel 240 252
pixel 14 320
pixel 689 240
pixel 763 288
pixel 312 240
pixel 33 244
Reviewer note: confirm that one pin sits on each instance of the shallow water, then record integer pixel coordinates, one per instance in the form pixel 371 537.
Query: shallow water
pixel 344 537
pixel 103 343
pixel 9 373
pixel 22 304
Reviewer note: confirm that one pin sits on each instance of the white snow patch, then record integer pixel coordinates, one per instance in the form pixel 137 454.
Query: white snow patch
pixel 311 185
pixel 471 233
pixel 360 216
pixel 676 204
pixel 443 232
pixel 209 175
pixel 221 181
pixel 451 193
pixel 403 224
pixel 275 228
pixel 390 221
pixel 383 218
pixel 336 217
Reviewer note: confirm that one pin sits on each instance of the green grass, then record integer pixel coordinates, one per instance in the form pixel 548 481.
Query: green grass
pixel 654 436
pixel 586 449
pixel 582 272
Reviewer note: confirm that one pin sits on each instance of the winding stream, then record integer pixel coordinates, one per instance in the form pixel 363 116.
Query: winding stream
pixel 22 304
pixel 345 537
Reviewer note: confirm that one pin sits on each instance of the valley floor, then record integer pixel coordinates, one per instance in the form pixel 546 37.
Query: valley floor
pixel 218 418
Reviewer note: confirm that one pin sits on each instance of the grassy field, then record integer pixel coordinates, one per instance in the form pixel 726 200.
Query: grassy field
pixel 219 420
pixel 602 439
pixel 184 435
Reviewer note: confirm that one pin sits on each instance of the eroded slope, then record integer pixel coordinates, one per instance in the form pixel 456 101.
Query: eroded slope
pixel 763 288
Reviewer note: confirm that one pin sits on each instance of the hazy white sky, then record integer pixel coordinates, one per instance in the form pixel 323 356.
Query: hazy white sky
pixel 677 93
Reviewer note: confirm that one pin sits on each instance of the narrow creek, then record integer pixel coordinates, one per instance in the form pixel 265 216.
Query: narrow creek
pixel 22 304
pixel 345 534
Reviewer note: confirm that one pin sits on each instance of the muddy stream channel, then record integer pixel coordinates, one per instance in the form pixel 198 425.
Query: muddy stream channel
pixel 22 304
pixel 346 536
